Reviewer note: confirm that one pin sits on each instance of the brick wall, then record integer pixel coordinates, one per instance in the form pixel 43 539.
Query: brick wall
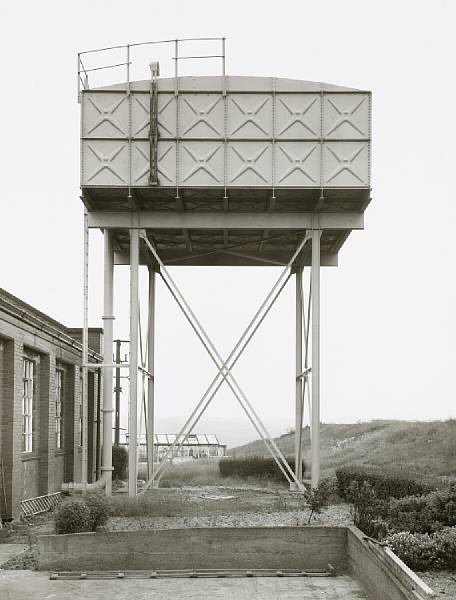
pixel 42 470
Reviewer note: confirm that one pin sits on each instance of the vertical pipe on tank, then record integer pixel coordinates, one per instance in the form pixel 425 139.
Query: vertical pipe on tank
pixel 108 319
pixel 298 398
pixel 150 368
pixel 85 351
pixel 315 278
pixel 133 368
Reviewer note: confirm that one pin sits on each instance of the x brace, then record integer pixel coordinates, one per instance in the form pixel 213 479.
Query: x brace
pixel 222 366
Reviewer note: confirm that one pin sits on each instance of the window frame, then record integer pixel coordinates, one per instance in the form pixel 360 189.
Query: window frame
pixel 28 404
pixel 59 407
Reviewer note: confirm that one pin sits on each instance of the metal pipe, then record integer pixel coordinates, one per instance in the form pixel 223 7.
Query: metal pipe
pixel 315 427
pixel 117 390
pixel 85 349
pixel 133 370
pixel 298 382
pixel 150 382
pixel 108 319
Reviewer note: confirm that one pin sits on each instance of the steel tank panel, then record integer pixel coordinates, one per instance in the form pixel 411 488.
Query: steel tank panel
pixel 261 133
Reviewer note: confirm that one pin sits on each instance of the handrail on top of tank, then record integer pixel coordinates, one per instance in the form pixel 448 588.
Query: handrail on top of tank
pixel 82 70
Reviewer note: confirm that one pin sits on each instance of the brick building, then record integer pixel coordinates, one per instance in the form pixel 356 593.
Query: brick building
pixel 41 404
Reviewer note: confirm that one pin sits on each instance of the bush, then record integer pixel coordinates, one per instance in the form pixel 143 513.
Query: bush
pixel 98 510
pixel 319 497
pixel 385 483
pixel 254 466
pixel 368 510
pixel 72 516
pixel 424 514
pixel 119 462
pixel 423 551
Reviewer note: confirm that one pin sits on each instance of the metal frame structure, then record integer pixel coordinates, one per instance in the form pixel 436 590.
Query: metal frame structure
pixel 143 223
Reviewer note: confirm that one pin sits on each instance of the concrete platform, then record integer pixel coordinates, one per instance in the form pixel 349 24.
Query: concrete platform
pixel 33 585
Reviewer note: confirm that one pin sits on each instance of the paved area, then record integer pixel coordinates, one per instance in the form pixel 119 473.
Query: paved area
pixel 7 551
pixel 33 585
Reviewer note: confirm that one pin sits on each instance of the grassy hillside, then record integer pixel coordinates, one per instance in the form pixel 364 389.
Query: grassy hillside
pixel 424 449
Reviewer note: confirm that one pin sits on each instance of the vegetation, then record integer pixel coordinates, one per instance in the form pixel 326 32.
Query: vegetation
pixel 318 497
pixel 72 516
pixel 423 551
pixel 422 449
pixel 84 514
pixel 386 482
pixel 264 468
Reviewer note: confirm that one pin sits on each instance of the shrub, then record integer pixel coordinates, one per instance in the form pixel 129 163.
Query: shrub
pixel 424 514
pixel 98 510
pixel 254 466
pixel 119 462
pixel 72 516
pixel 319 497
pixel 422 551
pixel 387 483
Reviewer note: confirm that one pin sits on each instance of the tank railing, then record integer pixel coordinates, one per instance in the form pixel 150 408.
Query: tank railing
pixel 83 81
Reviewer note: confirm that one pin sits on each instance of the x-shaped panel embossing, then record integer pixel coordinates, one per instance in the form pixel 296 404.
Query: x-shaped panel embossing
pixel 104 162
pixel 346 116
pixel 298 163
pixel 105 116
pixel 250 116
pixel 342 166
pixel 298 116
pixel 203 168
pixel 200 117
pixel 250 162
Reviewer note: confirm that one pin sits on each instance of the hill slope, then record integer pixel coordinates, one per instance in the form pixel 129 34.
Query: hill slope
pixel 423 448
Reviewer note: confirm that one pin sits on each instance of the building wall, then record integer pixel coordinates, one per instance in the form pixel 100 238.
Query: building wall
pixel 43 469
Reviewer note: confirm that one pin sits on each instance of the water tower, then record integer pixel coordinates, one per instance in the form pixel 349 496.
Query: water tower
pixel 218 170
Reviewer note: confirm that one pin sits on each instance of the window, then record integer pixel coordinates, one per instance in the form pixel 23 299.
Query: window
pixel 27 406
pixel 58 408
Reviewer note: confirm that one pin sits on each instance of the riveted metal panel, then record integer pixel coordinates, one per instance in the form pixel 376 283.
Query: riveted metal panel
pixel 298 164
pixel 201 116
pixel 105 115
pixel 250 116
pixel 298 116
pixel 105 162
pixel 346 164
pixel 346 116
pixel 249 163
pixel 140 115
pixel 201 163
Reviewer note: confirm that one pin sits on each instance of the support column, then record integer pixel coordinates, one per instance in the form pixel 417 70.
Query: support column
pixel 150 368
pixel 108 318
pixel 298 399
pixel 315 423
pixel 134 323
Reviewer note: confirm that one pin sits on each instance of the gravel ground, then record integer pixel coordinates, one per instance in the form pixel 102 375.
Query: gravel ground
pixel 442 582
pixel 274 508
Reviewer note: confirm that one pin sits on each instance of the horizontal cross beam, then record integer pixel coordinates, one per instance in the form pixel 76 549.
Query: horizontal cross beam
pixel 223 220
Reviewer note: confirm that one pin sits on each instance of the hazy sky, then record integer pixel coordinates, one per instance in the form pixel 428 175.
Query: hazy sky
pixel 388 310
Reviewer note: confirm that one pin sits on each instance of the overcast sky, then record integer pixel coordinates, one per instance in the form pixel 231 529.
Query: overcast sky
pixel 388 310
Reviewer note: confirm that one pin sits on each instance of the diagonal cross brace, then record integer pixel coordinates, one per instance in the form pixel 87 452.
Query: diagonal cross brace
pixel 210 348
pixel 222 366
pixel 211 392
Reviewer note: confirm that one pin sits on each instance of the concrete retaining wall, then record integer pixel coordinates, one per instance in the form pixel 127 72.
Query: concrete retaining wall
pixel 380 572
pixel 205 548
